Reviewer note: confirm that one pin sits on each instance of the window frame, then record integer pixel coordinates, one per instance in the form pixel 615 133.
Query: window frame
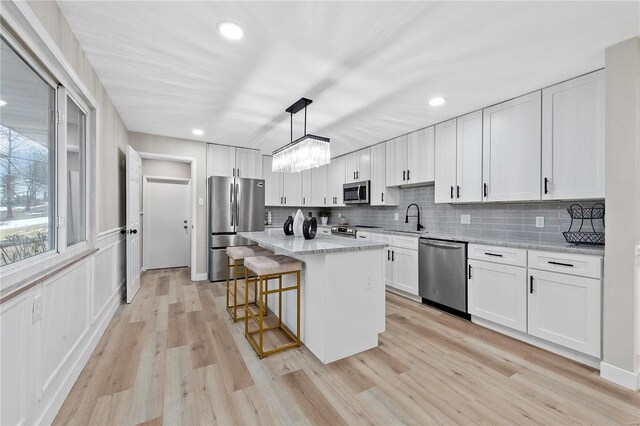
pixel 54 76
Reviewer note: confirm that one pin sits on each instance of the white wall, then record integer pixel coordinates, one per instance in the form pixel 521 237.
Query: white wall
pixel 621 309
pixel 163 168
pixel 143 142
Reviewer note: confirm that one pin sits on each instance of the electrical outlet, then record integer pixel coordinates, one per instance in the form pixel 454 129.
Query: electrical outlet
pixel 37 309
pixel 201 201
pixel 395 216
pixel 339 214
pixel 465 219
pixel 539 221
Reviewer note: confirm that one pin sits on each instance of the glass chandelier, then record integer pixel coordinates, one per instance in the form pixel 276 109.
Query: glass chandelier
pixel 304 153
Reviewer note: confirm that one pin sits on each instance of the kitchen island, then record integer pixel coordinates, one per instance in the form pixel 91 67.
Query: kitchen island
pixel 342 291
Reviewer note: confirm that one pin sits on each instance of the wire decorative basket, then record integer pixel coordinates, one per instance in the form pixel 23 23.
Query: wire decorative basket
pixel 587 237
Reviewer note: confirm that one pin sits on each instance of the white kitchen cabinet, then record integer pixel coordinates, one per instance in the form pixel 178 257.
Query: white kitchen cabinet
pixel 381 195
pixel 221 160
pixel 387 264
pixel 292 189
pixel 511 149
pixel 445 159
pixel 498 293
pixel 565 309
pixel 319 179
pixel 335 181
pixel 420 156
pixel 307 182
pixel 272 183
pixel 573 139
pixel 469 158
pixel 358 166
pixel 396 163
pixel 248 163
pixel 405 269
pixel 225 160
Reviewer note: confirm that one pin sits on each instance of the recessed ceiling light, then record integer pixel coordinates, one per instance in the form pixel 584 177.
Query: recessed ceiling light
pixel 436 101
pixel 197 132
pixel 2 103
pixel 230 30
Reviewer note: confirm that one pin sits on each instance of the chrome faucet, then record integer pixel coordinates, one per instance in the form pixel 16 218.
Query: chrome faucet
pixel 406 219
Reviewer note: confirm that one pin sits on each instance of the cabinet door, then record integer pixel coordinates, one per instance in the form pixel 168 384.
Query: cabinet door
pixel 380 194
pixel 363 172
pixel 248 163
pixel 306 187
pixel 292 189
pixel 351 166
pixel 336 181
pixel 498 293
pixel 565 309
pixel 405 269
pixel 319 196
pixel 469 157
pixel 396 152
pixel 420 156
pixel 573 139
pixel 221 160
pixel 272 183
pixel 511 149
pixel 445 153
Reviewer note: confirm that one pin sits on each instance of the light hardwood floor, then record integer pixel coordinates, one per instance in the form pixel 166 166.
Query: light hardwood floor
pixel 175 357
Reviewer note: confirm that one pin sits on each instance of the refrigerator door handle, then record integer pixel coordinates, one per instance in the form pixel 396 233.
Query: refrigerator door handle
pixel 231 202
pixel 237 215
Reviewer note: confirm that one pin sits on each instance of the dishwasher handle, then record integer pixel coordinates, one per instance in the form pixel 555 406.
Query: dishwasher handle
pixel 441 245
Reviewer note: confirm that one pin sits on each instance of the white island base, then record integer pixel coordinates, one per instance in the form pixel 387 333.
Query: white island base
pixel 342 296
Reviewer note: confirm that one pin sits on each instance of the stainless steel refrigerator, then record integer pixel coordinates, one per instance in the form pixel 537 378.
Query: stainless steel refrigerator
pixel 235 205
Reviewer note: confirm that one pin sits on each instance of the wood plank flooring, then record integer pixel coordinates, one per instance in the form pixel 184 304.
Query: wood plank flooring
pixel 175 357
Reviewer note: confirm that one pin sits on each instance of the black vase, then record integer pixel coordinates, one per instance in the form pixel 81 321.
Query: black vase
pixel 310 227
pixel 288 226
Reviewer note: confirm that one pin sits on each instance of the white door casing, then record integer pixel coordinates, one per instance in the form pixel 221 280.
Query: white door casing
pixel 166 230
pixel 134 264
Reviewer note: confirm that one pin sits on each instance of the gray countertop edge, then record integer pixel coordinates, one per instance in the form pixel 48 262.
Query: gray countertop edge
pixel 267 242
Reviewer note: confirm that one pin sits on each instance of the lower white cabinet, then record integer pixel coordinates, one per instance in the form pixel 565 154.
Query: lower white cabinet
pixel 498 293
pixel 565 309
pixel 405 269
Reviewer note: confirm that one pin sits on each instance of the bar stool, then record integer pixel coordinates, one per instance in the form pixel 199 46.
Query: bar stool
pixel 266 268
pixel 235 260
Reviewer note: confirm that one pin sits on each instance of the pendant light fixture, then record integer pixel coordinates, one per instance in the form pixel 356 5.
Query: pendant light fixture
pixel 304 153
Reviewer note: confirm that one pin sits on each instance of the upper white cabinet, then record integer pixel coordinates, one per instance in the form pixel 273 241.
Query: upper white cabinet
pixel 511 149
pixel 319 186
pixel 292 189
pixel 307 188
pixel 469 158
pixel 358 166
pixel 272 183
pixel 225 160
pixel 335 181
pixel 420 159
pixel 381 195
pixel 396 163
pixel 248 163
pixel 573 139
pixel 410 158
pixel 445 163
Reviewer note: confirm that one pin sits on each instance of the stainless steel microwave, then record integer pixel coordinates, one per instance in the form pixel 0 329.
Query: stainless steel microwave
pixel 356 193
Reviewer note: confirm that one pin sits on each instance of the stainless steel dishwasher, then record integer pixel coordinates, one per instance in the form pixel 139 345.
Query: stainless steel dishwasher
pixel 442 274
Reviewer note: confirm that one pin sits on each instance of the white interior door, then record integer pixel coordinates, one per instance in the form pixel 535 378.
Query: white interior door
pixel 166 230
pixel 134 265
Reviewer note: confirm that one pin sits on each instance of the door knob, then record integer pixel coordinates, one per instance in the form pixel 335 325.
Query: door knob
pixel 123 231
pixel 185 221
pixel 185 227
pixel 133 231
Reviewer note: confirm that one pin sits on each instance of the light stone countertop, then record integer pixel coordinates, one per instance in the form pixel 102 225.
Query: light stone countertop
pixel 275 239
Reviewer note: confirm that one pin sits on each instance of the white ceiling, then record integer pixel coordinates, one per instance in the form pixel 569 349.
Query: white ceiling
pixel 370 68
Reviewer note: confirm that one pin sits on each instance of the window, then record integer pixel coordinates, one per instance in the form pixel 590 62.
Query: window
pixel 76 173
pixel 27 160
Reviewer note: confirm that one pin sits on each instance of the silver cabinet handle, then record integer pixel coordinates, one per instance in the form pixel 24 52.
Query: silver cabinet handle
pixel 440 245
pixel 231 202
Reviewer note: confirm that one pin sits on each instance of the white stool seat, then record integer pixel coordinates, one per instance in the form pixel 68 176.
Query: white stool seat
pixel 242 252
pixel 269 265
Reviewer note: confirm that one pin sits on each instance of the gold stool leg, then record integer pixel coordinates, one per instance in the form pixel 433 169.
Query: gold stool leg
pixel 246 303
pixel 260 323
pixel 280 300
pixel 228 272
pixel 298 311
pixel 235 290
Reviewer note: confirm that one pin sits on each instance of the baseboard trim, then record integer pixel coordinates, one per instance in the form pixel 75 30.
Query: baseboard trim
pixel 200 277
pixel 619 376
pixel 50 412
pixel 404 294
